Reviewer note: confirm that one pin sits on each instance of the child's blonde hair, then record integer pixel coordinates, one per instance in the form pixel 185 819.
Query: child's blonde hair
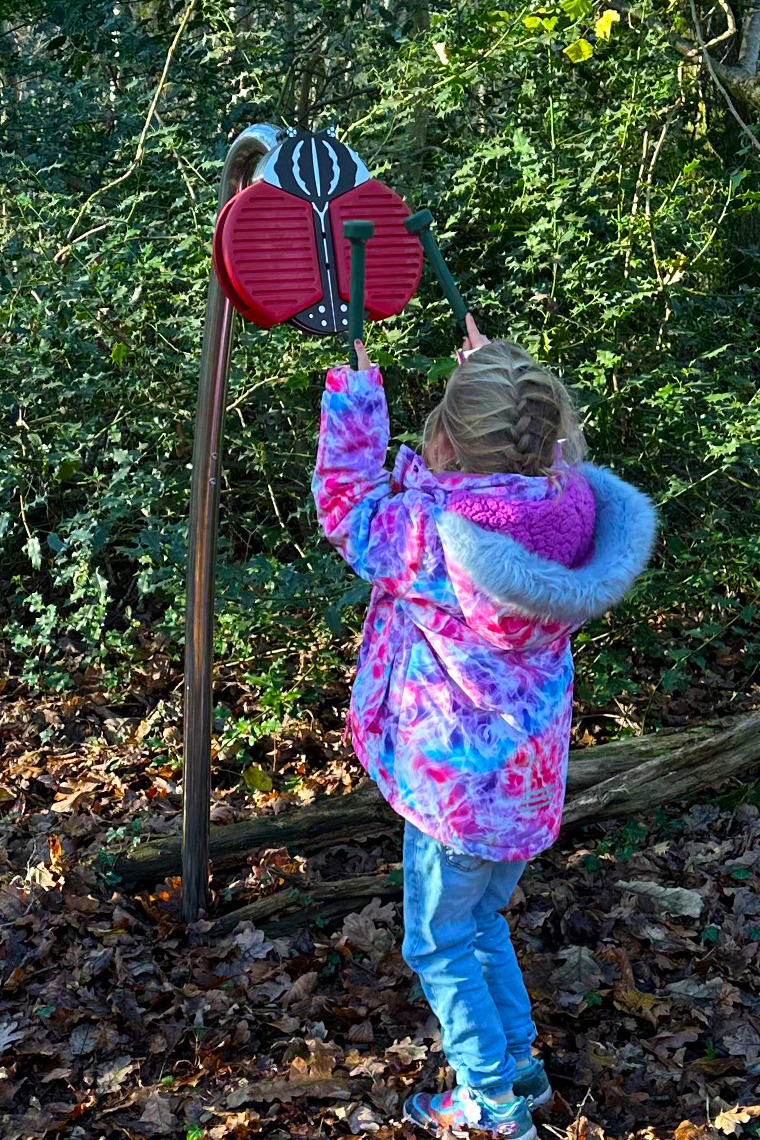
pixel 502 413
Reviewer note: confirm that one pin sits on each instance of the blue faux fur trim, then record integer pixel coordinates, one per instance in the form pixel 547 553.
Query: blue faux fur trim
pixel 499 566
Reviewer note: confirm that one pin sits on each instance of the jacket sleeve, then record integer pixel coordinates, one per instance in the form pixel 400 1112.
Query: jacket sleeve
pixel 380 534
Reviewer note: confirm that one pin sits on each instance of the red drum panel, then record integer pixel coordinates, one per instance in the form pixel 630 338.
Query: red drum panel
pixel 394 257
pixel 269 254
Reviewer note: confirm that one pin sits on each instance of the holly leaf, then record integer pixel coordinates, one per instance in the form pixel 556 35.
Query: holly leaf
pixel 34 551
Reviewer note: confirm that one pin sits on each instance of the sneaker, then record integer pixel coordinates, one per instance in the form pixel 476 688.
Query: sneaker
pixel 459 1110
pixel 532 1083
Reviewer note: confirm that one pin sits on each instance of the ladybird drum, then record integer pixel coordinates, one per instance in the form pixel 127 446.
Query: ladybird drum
pixel 279 248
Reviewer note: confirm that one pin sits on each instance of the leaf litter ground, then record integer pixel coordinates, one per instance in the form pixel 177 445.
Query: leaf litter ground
pixel 640 944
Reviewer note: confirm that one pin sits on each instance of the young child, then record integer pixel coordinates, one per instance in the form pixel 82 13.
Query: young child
pixel 485 554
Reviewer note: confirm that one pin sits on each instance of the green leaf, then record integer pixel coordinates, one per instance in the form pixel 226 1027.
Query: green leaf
pixel 533 22
pixel 333 620
pixel 521 142
pixel 578 51
pixel 66 468
pixel 576 9
pixel 441 369
pixel 119 353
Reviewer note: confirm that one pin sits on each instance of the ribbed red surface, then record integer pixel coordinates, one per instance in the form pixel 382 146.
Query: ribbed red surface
pixel 218 259
pixel 394 257
pixel 268 254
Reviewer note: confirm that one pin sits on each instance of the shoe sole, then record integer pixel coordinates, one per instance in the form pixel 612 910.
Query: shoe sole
pixel 536 1102
pixel 435 1130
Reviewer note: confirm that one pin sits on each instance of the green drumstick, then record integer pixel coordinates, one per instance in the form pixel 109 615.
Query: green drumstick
pixel 419 224
pixel 358 233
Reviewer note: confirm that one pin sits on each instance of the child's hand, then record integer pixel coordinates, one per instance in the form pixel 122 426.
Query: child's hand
pixel 473 340
pixel 362 360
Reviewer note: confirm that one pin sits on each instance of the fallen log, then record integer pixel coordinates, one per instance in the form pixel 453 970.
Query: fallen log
pixel 316 901
pixel 672 774
pixel 329 820
pixel 617 779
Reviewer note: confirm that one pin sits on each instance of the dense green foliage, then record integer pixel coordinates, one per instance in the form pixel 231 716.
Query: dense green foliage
pixel 604 212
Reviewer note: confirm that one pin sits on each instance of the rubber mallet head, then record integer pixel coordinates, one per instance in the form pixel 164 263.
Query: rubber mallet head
pixel 419 221
pixel 358 231
pixel 419 224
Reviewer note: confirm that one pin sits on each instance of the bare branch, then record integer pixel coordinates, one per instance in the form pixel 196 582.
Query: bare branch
pixel 738 80
pixel 730 31
pixel 80 237
pixel 648 214
pixel 635 202
pixel 140 151
pixel 711 67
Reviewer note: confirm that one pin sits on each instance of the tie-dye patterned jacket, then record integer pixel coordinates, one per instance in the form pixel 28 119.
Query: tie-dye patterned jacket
pixel 462 701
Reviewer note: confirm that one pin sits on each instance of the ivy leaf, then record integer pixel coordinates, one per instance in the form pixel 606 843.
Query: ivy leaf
pixel 578 51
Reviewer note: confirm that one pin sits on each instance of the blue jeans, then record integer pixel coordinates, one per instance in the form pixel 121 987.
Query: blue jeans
pixel 460 946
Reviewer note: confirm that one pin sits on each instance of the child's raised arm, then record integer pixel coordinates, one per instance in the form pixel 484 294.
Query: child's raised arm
pixel 381 535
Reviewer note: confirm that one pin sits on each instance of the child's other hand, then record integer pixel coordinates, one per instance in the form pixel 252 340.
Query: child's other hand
pixel 473 340
pixel 362 360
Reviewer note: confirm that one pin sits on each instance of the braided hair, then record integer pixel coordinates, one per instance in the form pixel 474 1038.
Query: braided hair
pixel 502 413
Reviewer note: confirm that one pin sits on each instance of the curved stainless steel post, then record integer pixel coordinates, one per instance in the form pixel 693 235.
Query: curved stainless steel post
pixel 201 565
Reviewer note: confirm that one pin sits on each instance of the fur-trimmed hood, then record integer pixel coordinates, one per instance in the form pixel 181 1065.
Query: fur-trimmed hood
pixel 509 574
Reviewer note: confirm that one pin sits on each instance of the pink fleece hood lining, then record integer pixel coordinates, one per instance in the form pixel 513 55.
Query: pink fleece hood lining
pixel 551 516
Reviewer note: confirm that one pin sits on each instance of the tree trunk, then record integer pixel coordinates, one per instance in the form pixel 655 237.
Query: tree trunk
pixel 618 779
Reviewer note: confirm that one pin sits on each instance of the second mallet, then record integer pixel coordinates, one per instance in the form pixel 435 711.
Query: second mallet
pixel 419 224
pixel 358 233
